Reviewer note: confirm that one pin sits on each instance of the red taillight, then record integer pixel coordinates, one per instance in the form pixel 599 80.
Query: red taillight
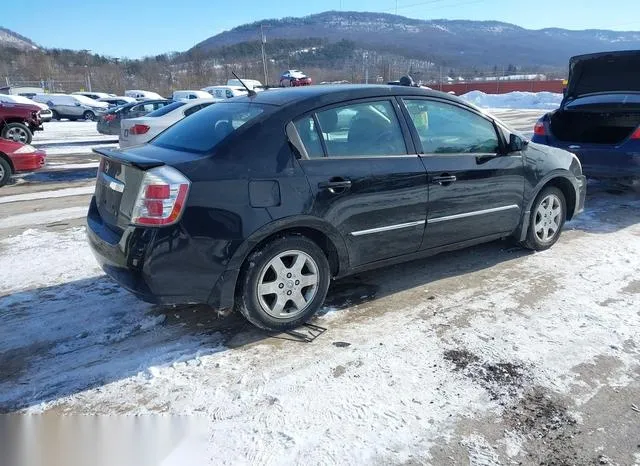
pixel 539 129
pixel 636 134
pixel 161 198
pixel 139 129
pixel 109 117
pixel 158 191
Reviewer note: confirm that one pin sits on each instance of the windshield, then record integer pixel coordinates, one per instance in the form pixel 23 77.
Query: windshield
pixel 166 109
pixel 201 132
pixel 16 99
pixel 87 100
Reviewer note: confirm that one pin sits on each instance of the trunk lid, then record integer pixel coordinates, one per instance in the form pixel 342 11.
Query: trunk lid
pixel 120 176
pixel 603 72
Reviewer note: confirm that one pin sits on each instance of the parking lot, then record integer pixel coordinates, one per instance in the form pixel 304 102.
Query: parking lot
pixel 491 355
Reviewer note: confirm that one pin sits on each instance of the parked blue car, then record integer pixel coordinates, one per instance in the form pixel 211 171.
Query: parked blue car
pixel 599 117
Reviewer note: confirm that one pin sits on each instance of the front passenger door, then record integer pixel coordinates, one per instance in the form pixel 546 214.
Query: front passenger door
pixel 475 188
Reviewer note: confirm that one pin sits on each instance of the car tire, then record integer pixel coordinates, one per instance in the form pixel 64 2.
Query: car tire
pixel 548 215
pixel 283 283
pixel 89 116
pixel 55 115
pixel 18 132
pixel 5 171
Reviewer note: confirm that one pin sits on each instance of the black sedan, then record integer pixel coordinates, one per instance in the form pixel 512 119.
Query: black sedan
pixel 257 203
pixel 109 123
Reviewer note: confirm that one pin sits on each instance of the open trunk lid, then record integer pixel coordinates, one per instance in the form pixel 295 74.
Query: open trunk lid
pixel 603 72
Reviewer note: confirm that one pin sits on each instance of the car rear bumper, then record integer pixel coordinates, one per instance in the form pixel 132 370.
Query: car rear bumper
pixel 29 162
pixel 159 265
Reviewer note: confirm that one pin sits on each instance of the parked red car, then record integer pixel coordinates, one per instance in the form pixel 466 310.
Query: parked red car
pixel 294 78
pixel 18 122
pixel 17 157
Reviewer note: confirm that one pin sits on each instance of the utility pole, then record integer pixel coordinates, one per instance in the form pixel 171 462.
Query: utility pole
pixel 263 41
pixel 396 7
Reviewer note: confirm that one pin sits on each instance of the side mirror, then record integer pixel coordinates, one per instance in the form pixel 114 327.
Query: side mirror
pixel 516 143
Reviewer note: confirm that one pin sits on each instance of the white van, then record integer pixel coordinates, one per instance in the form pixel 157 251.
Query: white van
pixel 250 83
pixel 225 92
pixel 190 95
pixel 143 95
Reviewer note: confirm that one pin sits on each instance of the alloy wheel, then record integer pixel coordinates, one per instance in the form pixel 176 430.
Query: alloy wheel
pixel 548 218
pixel 17 135
pixel 288 284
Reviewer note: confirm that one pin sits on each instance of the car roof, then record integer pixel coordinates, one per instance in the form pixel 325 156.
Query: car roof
pixel 330 94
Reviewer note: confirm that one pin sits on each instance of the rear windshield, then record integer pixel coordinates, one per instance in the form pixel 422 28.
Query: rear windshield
pixel 203 130
pixel 166 109
pixel 618 99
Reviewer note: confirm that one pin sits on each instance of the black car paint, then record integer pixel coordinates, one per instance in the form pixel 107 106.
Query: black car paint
pixel 254 185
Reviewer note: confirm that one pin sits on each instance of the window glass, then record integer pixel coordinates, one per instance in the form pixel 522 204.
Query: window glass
pixel 205 129
pixel 191 110
pixel 362 130
pixel 308 132
pixel 163 110
pixel 448 129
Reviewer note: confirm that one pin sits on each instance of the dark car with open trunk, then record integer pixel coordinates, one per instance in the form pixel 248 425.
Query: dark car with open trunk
pixel 599 117
pixel 258 202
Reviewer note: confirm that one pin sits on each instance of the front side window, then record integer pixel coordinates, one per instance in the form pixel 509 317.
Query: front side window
pixel 447 129
pixel 362 130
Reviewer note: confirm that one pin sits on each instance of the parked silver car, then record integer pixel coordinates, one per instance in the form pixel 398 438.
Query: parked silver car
pixel 72 107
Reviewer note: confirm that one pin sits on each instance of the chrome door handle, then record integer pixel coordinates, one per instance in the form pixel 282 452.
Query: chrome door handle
pixel 444 180
pixel 343 184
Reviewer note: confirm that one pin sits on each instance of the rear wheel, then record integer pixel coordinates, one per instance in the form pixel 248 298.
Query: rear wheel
pixel 5 171
pixel 283 283
pixel 548 215
pixel 17 132
pixel 55 115
pixel 89 115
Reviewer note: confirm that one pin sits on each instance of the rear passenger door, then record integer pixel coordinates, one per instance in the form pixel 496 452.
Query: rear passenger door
pixel 367 180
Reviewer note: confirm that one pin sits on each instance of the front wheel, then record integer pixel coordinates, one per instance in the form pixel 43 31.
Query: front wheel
pixel 548 214
pixel 89 116
pixel 17 132
pixel 283 283
pixel 5 171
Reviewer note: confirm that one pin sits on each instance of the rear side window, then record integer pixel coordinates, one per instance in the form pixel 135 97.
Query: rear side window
pixel 447 129
pixel 201 132
pixel 164 110
pixel 367 129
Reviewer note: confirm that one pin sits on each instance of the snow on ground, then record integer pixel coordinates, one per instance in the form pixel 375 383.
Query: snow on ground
pixel 515 100
pixel 69 131
pixel 382 385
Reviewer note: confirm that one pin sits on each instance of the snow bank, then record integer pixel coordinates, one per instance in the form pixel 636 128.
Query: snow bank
pixel 519 100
